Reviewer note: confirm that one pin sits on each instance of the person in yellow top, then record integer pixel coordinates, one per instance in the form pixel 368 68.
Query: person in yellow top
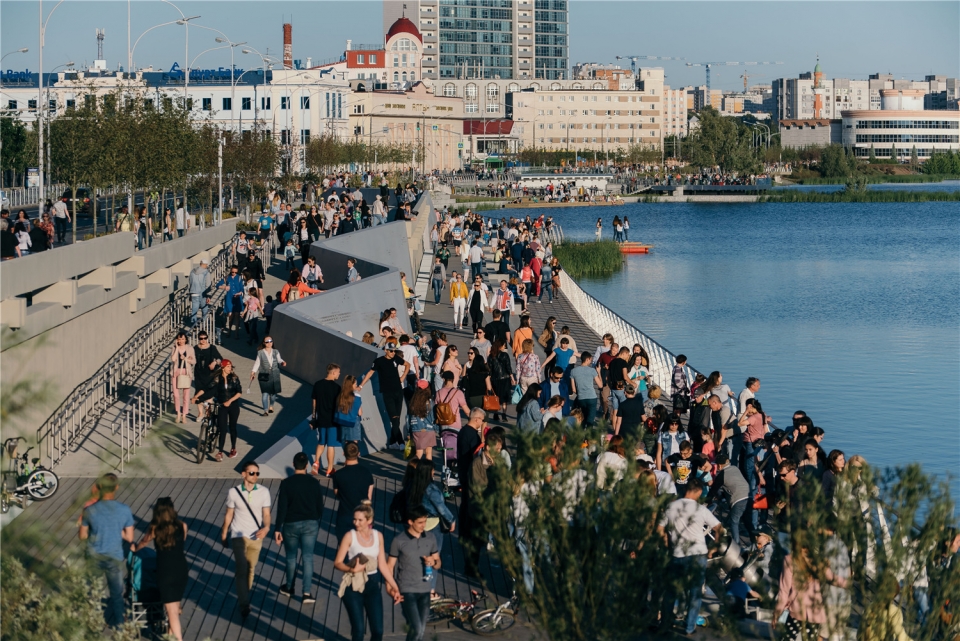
pixel 407 292
pixel 458 296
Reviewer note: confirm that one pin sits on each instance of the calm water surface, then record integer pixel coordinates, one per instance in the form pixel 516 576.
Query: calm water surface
pixel 850 312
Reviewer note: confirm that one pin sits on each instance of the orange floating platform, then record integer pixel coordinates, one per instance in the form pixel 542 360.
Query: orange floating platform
pixel 635 248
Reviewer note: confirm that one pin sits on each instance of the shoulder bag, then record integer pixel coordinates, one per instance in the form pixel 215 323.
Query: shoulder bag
pixel 183 380
pixel 226 542
pixel 262 376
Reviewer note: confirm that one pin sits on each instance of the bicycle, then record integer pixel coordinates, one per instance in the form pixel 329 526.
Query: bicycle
pixel 21 480
pixel 492 622
pixel 209 432
pixel 444 608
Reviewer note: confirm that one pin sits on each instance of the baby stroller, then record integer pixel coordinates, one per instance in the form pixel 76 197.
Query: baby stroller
pixel 143 595
pixel 449 475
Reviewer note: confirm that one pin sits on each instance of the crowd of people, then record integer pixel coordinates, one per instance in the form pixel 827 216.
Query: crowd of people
pixel 702 445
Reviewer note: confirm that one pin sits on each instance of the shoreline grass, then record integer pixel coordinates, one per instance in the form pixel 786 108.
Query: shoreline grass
pixel 596 258
pixel 869 196
pixel 879 179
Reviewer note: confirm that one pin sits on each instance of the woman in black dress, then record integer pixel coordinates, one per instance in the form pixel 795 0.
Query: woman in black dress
pixel 501 376
pixel 168 534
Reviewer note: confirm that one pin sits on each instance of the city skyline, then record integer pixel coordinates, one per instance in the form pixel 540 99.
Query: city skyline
pixel 697 31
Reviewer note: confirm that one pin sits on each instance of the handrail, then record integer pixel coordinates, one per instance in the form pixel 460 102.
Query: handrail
pixel 87 403
pixel 603 320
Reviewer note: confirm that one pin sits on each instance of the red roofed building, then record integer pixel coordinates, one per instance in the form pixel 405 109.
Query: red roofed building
pixel 393 65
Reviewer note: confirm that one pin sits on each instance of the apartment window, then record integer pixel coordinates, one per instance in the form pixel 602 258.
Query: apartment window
pixel 265 102
pixel 493 107
pixel 207 104
pixel 52 105
pixel 11 104
pixel 470 108
pixel 32 105
pixel 396 76
pixel 608 98
pixel 147 104
pixel 358 109
pixel 360 59
pixel 450 90
pixel 328 104
pixel 339 105
pixel 71 103
pixel 403 76
pixel 304 102
pixel 396 60
pixel 284 102
pixel 304 136
pixel 285 137
pixel 413 77
pixel 227 104
pixel 493 92
pixel 471 91
pixel 373 58
pixel 246 104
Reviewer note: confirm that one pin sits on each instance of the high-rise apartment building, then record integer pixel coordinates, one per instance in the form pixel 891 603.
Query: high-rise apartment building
pixel 487 39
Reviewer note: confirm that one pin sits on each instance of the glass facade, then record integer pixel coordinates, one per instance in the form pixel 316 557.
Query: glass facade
pixel 551 50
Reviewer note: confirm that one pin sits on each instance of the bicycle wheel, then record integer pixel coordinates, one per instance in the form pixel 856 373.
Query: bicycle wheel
pixel 442 609
pixel 42 484
pixel 492 622
pixel 202 442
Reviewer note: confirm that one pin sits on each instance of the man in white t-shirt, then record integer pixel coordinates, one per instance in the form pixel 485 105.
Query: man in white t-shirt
pixel 412 358
pixel 684 526
pixel 749 391
pixel 245 525
pixel 60 219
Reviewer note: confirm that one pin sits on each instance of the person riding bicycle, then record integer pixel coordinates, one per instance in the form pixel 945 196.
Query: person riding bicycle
pixel 225 390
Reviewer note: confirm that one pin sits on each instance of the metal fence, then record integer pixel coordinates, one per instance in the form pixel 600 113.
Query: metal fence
pixel 127 374
pixel 603 320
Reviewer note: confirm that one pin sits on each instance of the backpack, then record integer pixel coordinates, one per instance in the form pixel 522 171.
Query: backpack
pixel 293 294
pixel 398 507
pixel 442 412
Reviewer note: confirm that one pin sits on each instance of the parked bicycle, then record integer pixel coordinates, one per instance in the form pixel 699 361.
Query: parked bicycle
pixel 24 478
pixel 443 609
pixel 209 431
pixel 492 622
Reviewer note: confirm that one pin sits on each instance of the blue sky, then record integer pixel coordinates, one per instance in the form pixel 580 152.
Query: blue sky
pixel 854 39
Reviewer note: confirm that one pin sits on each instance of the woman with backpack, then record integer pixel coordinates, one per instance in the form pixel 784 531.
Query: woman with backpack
pixel 449 404
pixel 523 333
pixel 423 431
pixel 295 289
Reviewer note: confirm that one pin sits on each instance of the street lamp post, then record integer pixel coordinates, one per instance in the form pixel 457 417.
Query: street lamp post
pixel 46 105
pixel 43 31
pixel 233 86
pixel 267 62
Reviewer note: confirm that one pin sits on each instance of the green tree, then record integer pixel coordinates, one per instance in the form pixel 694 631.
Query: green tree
pixel 722 142
pixel 71 153
pixel 15 154
pixel 835 162
pixel 914 159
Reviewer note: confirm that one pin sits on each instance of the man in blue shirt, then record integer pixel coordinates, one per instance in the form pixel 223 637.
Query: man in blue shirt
pixel 265 223
pixel 107 524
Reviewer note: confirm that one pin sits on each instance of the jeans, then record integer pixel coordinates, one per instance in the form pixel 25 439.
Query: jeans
pixel 476 269
pixel 922 600
pixel 694 567
pixel 141 239
pixel 733 446
pixel 393 403
pixel 267 400
pixel 180 233
pixel 736 513
pixel 227 419
pixel 546 286
pixel 61 227
pixel 377 220
pixel 505 317
pixel 300 536
pixel 524 551
pixel 437 288
pixel 113 570
pixel 198 303
pixel 251 327
pixel 246 552
pixel 589 407
pixel 369 600
pixel 416 607
pixel 750 472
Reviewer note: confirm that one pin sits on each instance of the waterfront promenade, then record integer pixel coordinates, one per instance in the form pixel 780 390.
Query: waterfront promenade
pixel 164 466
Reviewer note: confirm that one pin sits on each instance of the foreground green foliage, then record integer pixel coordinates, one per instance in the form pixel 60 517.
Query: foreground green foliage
pixel 598 566
pixel 598 258
pixel 877 179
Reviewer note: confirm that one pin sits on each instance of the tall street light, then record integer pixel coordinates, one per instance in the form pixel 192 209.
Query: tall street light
pixel 267 62
pixel 43 31
pixel 46 105
pixel 233 87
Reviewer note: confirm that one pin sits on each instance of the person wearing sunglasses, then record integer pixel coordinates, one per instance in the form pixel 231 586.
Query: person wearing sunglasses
pixel 266 369
pixel 208 358
pixel 245 525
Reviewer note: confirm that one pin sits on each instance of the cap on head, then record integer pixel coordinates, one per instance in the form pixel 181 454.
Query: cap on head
pixel 226 362
pixel 423 384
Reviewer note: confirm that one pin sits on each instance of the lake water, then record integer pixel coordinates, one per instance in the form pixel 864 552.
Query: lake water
pixel 946 185
pixel 850 312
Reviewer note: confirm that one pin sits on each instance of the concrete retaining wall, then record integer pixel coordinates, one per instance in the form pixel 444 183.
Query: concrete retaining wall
pixel 86 300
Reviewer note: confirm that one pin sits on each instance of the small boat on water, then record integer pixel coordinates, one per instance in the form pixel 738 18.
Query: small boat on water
pixel 635 248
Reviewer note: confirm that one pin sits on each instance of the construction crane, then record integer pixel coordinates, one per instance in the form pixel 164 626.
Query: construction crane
pixel 633 60
pixel 746 77
pixel 708 65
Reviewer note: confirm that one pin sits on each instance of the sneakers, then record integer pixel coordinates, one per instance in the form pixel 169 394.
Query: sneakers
pixel 308 598
pixel 395 446
pixel 245 612
pixel 286 591
pixel 233 454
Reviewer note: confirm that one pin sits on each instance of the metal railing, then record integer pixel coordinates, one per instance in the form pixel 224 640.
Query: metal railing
pixel 121 374
pixel 603 321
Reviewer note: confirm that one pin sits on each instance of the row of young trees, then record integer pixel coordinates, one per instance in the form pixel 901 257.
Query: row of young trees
pixel 129 143
pixel 327 152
